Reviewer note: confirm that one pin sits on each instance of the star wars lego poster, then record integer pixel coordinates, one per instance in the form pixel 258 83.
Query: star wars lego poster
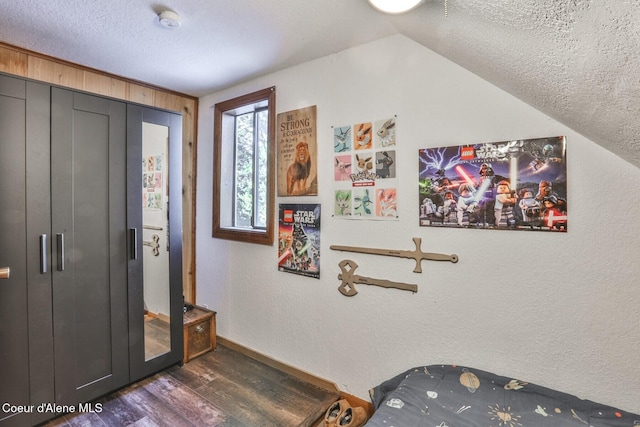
pixel 297 153
pixel 509 185
pixel 364 170
pixel 299 239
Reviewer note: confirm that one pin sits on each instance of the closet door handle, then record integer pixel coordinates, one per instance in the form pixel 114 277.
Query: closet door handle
pixel 60 246
pixel 133 244
pixel 5 272
pixel 43 253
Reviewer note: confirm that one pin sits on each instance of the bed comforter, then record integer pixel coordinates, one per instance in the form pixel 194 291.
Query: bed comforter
pixel 457 396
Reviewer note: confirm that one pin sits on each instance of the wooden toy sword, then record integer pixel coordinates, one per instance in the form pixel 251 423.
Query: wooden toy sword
pixel 416 254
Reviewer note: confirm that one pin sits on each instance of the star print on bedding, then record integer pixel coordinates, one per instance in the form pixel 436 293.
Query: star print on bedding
pixel 457 396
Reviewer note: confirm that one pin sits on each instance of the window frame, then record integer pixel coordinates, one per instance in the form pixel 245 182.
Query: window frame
pixel 256 235
pixel 255 112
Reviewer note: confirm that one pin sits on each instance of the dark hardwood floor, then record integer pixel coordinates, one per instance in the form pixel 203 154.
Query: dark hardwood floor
pixel 220 388
pixel 157 337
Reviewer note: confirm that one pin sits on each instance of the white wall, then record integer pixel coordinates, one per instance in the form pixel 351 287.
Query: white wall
pixel 557 309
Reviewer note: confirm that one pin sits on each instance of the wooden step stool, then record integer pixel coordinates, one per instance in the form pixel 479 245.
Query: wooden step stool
pixel 199 326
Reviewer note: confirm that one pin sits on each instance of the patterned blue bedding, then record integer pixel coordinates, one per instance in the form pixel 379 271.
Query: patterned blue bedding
pixel 457 396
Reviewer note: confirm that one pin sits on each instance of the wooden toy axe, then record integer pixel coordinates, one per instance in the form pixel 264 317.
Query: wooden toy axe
pixel 349 280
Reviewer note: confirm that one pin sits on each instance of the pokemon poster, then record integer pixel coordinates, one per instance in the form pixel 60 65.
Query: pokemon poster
pixel 299 239
pixel 365 170
pixel 297 153
pixel 509 185
pixel 152 182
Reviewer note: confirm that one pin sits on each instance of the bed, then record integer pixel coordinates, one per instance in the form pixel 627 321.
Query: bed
pixel 458 396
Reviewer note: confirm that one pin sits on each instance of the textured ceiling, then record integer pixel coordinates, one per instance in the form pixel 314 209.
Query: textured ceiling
pixel 578 61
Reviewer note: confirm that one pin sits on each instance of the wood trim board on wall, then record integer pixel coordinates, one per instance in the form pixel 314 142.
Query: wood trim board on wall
pixel 36 66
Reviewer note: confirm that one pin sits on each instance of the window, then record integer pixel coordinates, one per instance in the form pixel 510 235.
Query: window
pixel 243 151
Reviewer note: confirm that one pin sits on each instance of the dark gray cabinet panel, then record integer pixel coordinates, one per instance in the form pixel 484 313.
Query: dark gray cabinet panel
pixel 88 187
pixel 14 344
pixel 26 339
pixel 38 198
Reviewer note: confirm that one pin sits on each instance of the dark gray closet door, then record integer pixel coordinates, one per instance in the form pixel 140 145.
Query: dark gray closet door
pixel 26 338
pixel 14 335
pixel 88 181
pixel 140 337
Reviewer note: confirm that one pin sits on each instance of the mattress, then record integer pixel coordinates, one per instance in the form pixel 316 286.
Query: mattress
pixel 458 396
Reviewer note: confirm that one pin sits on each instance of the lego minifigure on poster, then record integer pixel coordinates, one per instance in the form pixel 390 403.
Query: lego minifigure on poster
pixel 505 200
pixel 467 204
pixel 529 206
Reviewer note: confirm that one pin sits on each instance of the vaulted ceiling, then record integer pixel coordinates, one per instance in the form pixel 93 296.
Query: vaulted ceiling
pixel 578 61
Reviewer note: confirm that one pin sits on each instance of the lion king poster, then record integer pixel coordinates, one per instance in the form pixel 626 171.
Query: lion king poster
pixel 297 153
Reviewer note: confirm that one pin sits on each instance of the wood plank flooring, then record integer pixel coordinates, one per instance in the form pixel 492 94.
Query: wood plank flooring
pixel 157 337
pixel 220 388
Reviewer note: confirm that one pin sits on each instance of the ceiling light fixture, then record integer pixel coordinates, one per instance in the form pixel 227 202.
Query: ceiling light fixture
pixel 395 7
pixel 169 19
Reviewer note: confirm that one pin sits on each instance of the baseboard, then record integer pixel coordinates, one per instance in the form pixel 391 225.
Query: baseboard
pixel 161 316
pixel 298 373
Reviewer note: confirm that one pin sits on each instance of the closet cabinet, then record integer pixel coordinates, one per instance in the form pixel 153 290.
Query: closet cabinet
pixel 88 239
pixel 72 255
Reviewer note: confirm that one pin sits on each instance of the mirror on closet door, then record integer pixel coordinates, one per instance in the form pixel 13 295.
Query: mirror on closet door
pixel 155 252
pixel 154 220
